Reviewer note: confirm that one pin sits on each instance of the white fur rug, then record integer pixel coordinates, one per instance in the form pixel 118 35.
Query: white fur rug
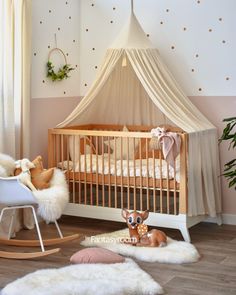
pixel 86 279
pixel 175 252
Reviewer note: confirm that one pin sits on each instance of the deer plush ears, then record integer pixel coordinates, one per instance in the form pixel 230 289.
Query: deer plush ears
pixel 125 214
pixel 40 177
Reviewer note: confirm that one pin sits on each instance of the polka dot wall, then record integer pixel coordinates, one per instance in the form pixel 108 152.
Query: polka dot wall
pixel 50 18
pixel 194 37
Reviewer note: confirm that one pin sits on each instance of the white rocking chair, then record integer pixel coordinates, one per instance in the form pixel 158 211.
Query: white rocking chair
pixel 15 195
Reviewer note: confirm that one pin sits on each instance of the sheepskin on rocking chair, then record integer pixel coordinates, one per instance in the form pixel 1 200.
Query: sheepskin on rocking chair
pixel 50 204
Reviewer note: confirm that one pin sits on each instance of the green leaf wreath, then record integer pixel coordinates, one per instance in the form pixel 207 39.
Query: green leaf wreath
pixel 61 74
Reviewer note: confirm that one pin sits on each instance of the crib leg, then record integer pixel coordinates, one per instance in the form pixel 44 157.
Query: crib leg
pixel 58 229
pixel 185 233
pixel 11 223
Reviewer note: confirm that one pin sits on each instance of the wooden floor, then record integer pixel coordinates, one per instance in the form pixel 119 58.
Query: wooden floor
pixel 215 273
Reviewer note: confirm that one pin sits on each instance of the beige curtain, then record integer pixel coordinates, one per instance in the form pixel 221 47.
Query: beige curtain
pixel 15 63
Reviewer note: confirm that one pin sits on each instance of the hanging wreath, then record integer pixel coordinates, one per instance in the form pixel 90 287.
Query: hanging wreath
pixel 63 71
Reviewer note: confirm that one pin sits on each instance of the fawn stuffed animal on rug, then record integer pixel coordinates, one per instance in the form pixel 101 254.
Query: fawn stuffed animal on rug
pixel 139 234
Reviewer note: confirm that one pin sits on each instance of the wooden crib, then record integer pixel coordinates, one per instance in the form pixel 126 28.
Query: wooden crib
pixel 108 168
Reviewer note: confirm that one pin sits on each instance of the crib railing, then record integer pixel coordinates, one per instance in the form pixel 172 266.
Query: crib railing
pixel 117 169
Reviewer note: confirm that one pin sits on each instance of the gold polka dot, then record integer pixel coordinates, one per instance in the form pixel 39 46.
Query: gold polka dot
pixel 148 35
pixel 86 30
pixel 40 22
pixel 92 4
pixel 43 81
pixel 93 48
pixel 64 92
pixel 76 66
pixel 48 46
pixel 67 54
pixel 74 41
pixel 96 67
pixel 85 85
pixel 35 54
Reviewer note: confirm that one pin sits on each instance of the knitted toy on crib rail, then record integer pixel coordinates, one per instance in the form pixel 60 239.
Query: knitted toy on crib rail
pixel 139 233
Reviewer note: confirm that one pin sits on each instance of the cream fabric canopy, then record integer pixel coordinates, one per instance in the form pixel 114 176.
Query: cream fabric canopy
pixel 135 87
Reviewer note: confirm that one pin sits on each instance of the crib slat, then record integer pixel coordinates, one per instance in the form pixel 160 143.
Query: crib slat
pixel 91 171
pixel 121 167
pixel 161 185
pixel 85 170
pixel 175 200
pixel 97 192
pixel 80 186
pixel 115 172
pixel 147 162
pixel 134 198
pixel 73 163
pixel 103 188
pixel 154 182
pixel 140 178
pixel 109 173
pixel 128 171
pixel 168 190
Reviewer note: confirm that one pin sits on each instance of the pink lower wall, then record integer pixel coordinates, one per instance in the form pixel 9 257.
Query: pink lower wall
pixel 48 112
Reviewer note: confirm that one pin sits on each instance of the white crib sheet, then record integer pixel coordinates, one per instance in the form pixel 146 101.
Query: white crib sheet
pixel 100 164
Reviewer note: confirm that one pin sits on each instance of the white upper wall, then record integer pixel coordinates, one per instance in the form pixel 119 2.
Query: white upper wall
pixel 196 39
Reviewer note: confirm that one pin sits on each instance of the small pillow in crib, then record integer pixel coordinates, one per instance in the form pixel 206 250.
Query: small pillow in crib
pixel 79 145
pixel 123 148
pixel 143 150
pixel 96 255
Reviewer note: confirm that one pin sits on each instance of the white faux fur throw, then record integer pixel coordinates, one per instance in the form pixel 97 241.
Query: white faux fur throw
pixel 53 200
pixel 7 165
pixel 87 279
pixel 175 251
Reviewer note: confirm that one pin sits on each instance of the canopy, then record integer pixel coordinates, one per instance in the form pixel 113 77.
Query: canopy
pixel 134 87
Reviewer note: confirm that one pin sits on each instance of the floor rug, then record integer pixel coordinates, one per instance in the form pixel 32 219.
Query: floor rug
pixel 86 279
pixel 175 251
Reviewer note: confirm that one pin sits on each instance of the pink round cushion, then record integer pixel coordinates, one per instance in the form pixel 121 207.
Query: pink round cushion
pixel 96 255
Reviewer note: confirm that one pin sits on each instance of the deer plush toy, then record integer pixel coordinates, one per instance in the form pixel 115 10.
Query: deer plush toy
pixel 139 232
